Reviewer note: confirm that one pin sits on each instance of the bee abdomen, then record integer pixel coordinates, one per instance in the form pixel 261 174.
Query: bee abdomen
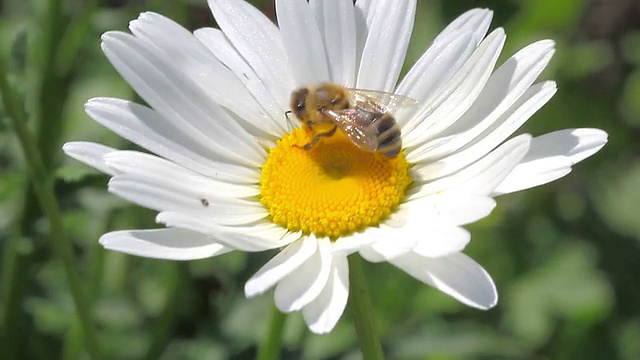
pixel 389 136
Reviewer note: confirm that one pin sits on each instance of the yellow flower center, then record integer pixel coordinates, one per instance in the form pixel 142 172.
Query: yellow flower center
pixel 334 188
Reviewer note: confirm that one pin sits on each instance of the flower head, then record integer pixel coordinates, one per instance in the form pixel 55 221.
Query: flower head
pixel 227 171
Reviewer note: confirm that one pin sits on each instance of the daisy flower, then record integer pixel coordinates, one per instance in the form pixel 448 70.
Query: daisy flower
pixel 226 172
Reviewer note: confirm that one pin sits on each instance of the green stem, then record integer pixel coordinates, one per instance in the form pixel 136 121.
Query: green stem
pixel 13 285
pixel 71 41
pixel 270 346
pixel 362 311
pixel 72 347
pixel 43 184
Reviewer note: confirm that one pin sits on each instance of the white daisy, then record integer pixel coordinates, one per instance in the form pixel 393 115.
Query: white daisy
pixel 225 175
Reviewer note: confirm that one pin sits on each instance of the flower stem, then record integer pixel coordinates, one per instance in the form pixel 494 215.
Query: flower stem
pixel 362 311
pixel 270 347
pixel 43 184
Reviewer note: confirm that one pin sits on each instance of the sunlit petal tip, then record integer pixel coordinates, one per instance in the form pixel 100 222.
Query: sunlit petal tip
pixel 547 43
pixel 91 154
pixel 136 22
pixel 98 101
pixel 551 157
pixel 590 142
pixel 150 15
pixel 477 11
pixel 110 35
pixel 477 17
pixel 95 104
pixel 457 275
pixel 170 244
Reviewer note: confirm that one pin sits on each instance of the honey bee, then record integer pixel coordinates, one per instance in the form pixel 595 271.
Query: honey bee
pixel 362 115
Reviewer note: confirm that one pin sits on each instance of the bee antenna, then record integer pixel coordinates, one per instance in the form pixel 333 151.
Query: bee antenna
pixel 289 123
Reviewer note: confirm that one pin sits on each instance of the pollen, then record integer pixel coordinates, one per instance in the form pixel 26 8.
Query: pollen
pixel 332 189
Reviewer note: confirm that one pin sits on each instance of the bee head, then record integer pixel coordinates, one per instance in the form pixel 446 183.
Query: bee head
pixel 331 96
pixel 299 102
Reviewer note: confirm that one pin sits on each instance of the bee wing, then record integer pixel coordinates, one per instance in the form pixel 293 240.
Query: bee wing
pixel 379 101
pixel 354 124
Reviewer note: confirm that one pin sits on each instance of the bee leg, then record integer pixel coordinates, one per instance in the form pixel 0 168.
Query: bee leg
pixel 331 132
pixel 318 136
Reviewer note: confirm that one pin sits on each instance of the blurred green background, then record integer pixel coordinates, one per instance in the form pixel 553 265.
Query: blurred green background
pixel 565 256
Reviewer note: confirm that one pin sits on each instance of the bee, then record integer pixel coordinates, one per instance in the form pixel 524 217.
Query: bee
pixel 362 115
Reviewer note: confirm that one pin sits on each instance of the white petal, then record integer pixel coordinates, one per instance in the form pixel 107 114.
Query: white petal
pixel 394 244
pixel 147 166
pixel 576 144
pixel 372 255
pixel 259 237
pixel 352 243
pixel 364 12
pixel 265 235
pixel 304 285
pixel 386 44
pixel 438 240
pixel 302 41
pixel 444 57
pixel 410 224
pixel 149 130
pixel 483 176
pixel 161 185
pixel 397 235
pixel 170 244
pixel 168 195
pixel 430 227
pixel 465 210
pixel 198 202
pixel 215 78
pixel 456 275
pixel 458 94
pixel 322 314
pixel 506 91
pixel 530 102
pixel 475 20
pixel 258 40
pixel 448 52
pixel 90 153
pixel 435 67
pixel 337 23
pixel 269 115
pixel 461 209
pixel 162 83
pixel 431 223
pixel 281 265
pixel 551 157
pixel 363 18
